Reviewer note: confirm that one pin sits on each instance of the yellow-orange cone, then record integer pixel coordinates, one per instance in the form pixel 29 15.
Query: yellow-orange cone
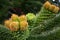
pixel 56 9
pixel 14 26
pixel 22 18
pixel 14 17
pixel 47 5
pixel 52 7
pixel 7 23
pixel 23 25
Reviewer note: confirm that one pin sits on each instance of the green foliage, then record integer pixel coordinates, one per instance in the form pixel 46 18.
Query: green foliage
pixel 48 30
pixel 43 15
pixel 46 25
pixel 6 34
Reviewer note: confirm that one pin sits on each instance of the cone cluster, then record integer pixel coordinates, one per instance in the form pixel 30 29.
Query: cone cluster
pixel 51 7
pixel 16 23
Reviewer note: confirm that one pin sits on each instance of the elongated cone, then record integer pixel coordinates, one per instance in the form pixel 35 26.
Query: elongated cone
pixel 14 26
pixel 22 18
pixel 14 17
pixel 47 5
pixel 23 25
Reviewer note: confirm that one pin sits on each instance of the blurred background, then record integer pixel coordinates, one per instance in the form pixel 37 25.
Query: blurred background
pixel 19 7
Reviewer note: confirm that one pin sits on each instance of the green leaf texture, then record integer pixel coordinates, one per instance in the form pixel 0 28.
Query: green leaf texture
pixel 48 30
pixel 6 34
